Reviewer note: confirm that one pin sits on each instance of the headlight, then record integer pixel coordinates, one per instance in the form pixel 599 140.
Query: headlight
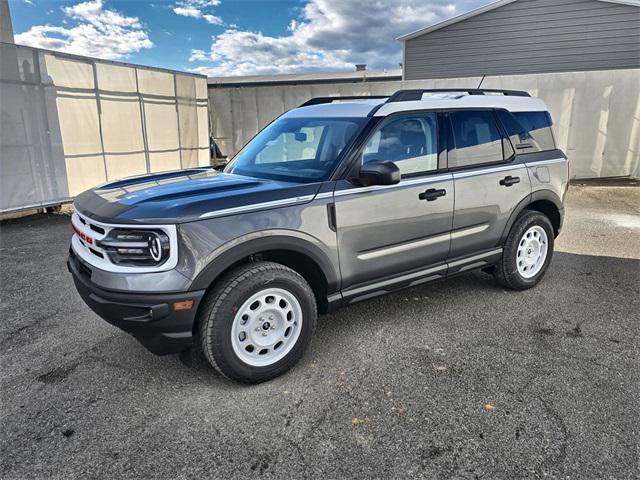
pixel 136 247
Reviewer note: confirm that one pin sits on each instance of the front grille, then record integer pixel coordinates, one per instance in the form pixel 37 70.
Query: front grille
pixel 97 229
pixel 124 248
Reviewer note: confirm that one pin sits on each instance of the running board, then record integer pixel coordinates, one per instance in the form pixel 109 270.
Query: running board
pixel 454 266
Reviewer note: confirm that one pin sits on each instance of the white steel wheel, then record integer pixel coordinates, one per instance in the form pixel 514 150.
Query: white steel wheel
pixel 266 327
pixel 532 251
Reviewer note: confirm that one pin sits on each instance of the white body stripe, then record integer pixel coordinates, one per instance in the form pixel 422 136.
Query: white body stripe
pixel 546 162
pixel 382 252
pixel 475 173
pixel 258 206
pixel 352 191
pixel 465 232
pixel 321 196
pixel 404 183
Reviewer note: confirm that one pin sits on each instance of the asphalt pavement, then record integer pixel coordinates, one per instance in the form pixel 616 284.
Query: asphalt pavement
pixel 455 379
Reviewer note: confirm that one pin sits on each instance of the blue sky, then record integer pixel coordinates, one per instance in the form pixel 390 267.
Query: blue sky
pixel 232 37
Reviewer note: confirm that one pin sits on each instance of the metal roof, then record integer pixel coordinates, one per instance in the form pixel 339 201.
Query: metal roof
pixel 306 78
pixel 484 9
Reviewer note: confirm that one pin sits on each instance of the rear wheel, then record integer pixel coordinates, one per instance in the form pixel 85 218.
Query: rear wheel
pixel 527 251
pixel 257 322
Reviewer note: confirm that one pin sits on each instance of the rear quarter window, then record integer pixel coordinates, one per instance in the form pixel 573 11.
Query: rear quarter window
pixel 528 131
pixel 476 139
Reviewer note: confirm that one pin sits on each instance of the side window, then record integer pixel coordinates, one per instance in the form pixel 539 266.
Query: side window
pixel 409 141
pixel 528 131
pixel 476 139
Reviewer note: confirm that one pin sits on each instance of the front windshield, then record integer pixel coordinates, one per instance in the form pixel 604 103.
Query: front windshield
pixel 296 149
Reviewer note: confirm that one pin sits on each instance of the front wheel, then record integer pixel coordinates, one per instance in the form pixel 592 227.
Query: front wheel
pixel 257 322
pixel 527 251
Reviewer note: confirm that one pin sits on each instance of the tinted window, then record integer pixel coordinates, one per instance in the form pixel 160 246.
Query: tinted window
pixel 476 139
pixel 410 142
pixel 529 131
pixel 296 149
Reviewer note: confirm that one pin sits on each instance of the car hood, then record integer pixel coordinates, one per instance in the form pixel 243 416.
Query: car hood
pixel 186 195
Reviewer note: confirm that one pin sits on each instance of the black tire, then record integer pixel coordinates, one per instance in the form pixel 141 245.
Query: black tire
pixel 215 319
pixel 506 272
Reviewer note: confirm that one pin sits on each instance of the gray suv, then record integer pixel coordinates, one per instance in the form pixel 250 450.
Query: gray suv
pixel 337 201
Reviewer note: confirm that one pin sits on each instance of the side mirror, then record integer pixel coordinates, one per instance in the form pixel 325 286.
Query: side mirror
pixel 379 172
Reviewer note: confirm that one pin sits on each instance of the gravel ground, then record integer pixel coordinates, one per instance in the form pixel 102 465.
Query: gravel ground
pixel 456 379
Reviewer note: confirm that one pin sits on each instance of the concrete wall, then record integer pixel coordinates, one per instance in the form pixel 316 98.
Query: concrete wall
pixel 530 36
pixel 596 114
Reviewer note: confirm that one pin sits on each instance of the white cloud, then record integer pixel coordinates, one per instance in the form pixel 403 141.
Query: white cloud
pixel 212 19
pixel 195 9
pixel 198 55
pixel 188 11
pixel 98 32
pixel 328 35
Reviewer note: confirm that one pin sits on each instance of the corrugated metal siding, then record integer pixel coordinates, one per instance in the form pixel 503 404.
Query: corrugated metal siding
pixel 530 36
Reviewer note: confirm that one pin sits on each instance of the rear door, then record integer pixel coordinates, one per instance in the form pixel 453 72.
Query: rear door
pixel 489 183
pixel 384 231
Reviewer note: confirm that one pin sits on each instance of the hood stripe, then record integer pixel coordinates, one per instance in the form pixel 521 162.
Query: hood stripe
pixel 258 206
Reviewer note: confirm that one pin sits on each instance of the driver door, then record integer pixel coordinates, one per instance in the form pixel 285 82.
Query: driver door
pixel 392 233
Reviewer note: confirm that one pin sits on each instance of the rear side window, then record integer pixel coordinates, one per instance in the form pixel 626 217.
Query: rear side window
pixel 476 139
pixel 529 131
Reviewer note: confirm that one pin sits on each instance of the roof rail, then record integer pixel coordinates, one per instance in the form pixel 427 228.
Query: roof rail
pixel 416 94
pixel 320 100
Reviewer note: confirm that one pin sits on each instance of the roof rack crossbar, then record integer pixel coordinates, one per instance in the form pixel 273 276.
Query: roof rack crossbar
pixel 320 100
pixel 416 94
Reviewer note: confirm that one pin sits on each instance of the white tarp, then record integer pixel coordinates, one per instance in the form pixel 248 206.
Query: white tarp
pixel 70 123
pixel 596 114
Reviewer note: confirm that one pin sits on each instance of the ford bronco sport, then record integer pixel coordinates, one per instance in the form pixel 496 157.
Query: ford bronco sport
pixel 339 200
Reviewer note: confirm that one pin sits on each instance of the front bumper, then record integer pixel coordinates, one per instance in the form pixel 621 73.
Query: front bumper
pixel 150 318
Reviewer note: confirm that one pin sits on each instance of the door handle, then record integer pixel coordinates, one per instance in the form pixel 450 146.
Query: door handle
pixel 509 180
pixel 432 194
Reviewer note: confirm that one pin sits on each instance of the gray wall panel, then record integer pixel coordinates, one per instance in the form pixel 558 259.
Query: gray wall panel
pixel 530 36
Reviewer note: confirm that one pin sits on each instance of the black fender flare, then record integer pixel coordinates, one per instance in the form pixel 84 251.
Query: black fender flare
pixel 545 194
pixel 262 244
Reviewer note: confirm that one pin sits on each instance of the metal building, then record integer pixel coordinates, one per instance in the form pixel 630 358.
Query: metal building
pixel 511 37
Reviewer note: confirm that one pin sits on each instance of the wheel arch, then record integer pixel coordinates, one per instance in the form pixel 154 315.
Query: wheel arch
pixel 299 254
pixel 543 201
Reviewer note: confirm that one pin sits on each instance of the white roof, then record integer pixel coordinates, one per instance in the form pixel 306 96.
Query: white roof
pixel 361 108
pixel 511 103
pixel 352 109
pixel 486 8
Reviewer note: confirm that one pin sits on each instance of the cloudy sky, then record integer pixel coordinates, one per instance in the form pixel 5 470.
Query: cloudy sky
pixel 232 37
